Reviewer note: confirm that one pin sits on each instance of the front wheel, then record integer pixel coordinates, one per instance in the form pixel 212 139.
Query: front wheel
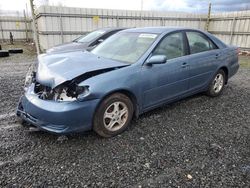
pixel 217 84
pixel 113 115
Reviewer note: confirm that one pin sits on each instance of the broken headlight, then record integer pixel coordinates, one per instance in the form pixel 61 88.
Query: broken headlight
pixel 71 94
pixel 82 91
pixel 30 76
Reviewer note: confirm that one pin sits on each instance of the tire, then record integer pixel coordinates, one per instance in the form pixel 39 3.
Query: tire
pixel 113 115
pixel 217 84
pixel 21 121
pixel 4 53
pixel 16 50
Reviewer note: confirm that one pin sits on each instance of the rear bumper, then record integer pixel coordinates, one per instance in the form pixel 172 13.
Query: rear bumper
pixel 233 69
pixel 57 117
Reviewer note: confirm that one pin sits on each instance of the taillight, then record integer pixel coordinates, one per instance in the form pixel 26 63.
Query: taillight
pixel 238 51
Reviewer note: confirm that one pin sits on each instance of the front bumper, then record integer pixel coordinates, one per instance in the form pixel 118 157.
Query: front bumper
pixel 57 117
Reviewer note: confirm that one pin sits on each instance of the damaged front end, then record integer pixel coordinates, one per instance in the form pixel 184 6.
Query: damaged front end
pixel 58 98
pixel 57 77
pixel 67 91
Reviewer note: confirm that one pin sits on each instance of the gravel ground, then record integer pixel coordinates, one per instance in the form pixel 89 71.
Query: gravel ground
pixel 196 142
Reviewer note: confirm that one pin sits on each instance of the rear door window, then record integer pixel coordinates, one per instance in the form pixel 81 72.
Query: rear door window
pixel 198 42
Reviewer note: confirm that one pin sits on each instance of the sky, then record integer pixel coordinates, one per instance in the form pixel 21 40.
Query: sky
pixel 197 6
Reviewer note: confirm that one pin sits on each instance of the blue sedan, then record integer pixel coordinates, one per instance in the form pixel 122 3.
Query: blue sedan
pixel 133 71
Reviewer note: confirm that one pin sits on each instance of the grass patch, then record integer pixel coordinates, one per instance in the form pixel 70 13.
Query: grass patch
pixel 244 61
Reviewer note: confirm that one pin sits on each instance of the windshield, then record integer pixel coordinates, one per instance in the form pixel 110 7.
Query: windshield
pixel 125 47
pixel 91 36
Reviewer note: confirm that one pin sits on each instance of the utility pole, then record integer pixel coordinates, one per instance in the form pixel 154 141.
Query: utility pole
pixel 27 13
pixel 26 27
pixel 34 24
pixel 1 28
pixel 208 17
pixel 141 5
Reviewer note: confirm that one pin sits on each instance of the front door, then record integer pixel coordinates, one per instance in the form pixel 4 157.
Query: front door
pixel 163 82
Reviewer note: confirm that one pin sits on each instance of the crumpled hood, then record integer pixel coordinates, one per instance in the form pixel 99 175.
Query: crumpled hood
pixel 68 47
pixel 54 69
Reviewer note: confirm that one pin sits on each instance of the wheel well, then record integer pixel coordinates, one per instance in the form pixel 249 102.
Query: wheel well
pixel 226 73
pixel 130 95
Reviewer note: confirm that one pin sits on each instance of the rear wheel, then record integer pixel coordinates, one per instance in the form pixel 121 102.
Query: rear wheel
pixel 113 115
pixel 217 84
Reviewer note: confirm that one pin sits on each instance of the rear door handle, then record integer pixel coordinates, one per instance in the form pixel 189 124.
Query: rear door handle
pixel 184 65
pixel 216 56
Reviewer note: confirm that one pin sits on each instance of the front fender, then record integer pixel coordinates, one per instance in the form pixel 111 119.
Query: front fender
pixel 126 78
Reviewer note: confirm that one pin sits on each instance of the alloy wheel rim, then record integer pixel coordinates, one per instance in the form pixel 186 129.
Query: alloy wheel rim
pixel 115 116
pixel 218 83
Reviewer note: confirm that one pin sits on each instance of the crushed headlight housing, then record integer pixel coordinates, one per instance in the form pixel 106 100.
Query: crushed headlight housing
pixel 30 76
pixel 68 91
pixel 66 94
pixel 82 92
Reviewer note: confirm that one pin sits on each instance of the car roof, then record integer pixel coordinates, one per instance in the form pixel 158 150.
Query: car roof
pixel 157 30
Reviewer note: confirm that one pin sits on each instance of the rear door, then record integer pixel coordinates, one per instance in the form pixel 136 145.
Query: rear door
pixel 203 59
pixel 162 82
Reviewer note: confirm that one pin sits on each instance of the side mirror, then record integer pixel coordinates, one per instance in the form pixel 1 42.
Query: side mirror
pixel 156 59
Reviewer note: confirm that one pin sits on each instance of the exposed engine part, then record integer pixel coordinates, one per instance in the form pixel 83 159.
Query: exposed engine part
pixel 64 92
pixel 63 96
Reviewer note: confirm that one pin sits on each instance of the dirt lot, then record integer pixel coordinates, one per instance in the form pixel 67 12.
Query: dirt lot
pixel 197 142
